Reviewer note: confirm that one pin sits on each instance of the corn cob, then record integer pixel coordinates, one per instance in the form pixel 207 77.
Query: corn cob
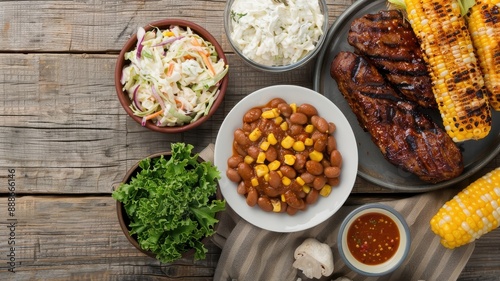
pixel 484 26
pixel 471 213
pixel 458 84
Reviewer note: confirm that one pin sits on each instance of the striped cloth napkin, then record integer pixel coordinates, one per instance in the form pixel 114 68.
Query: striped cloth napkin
pixel 250 253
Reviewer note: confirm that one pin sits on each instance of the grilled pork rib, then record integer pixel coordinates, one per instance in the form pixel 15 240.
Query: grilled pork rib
pixel 406 137
pixel 388 41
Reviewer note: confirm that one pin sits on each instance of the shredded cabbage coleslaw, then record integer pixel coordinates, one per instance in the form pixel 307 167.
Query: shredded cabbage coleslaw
pixel 275 34
pixel 173 77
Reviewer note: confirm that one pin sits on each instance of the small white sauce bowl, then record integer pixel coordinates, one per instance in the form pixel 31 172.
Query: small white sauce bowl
pixel 391 264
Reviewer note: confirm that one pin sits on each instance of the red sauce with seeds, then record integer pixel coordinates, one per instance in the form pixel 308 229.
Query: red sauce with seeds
pixel 373 238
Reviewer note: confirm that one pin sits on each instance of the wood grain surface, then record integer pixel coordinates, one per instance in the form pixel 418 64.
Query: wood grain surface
pixel 70 141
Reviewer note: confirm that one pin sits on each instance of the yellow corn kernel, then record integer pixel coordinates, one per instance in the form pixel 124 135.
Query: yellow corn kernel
pixel 255 134
pixel 294 107
pixel 265 145
pixel 287 142
pixel 298 146
pixel 316 156
pixel 309 128
pixel 326 190
pixel 248 159
pixel 306 189
pixel 254 181
pixel 280 173
pixel 261 170
pixel 308 142
pixel 474 211
pixel 289 159
pixel 269 114
pixel 284 126
pixel 278 120
pixel 276 206
pixel 272 139
pixel 283 199
pixel 286 181
pixel 266 177
pixel 273 166
pixel 300 181
pixel 261 157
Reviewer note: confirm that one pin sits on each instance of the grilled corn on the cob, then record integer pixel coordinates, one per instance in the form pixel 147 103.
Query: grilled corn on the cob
pixel 458 83
pixel 484 25
pixel 471 213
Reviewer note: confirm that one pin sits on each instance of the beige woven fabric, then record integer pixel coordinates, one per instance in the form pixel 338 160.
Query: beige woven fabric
pixel 251 253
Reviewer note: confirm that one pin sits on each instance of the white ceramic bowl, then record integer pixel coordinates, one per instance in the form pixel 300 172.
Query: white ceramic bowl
pixel 229 23
pixel 392 263
pixel 325 207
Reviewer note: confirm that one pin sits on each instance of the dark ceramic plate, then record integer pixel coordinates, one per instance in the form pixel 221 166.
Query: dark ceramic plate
pixel 372 165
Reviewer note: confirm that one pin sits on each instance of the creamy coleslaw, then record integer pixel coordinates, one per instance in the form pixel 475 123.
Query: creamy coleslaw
pixel 276 34
pixel 173 77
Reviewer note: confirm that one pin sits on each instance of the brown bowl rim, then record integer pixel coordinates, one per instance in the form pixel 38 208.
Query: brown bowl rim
pixel 122 215
pixel 130 44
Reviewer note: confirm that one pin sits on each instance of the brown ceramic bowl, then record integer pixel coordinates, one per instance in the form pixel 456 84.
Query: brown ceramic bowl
pixel 124 220
pixel 131 44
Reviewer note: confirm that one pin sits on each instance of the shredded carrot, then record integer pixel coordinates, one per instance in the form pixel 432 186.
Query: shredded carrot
pixel 170 69
pixel 204 55
pixel 179 103
pixel 153 115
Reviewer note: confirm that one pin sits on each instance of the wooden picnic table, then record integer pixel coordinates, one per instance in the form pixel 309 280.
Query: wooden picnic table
pixel 68 142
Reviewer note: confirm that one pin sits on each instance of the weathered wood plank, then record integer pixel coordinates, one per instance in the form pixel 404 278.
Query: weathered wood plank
pixel 104 25
pixel 79 238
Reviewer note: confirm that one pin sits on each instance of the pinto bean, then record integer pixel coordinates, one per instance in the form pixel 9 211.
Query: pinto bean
pixel 319 123
pixel 293 200
pixel 285 109
pixel 336 158
pixel 233 175
pixel 253 151
pixel 233 161
pixel 331 127
pixel 307 109
pixel 271 154
pixel 300 161
pixel 274 102
pixel 320 144
pixel 332 172
pixel 291 210
pixel 239 149
pixel 312 196
pixel 331 144
pixel 274 179
pixel 298 118
pixel 314 168
pixel 333 181
pixel 241 189
pixel 288 171
pixel 240 137
pixel 307 177
pixel 319 182
pixel 252 197
pixel 265 204
pixel 271 191
pixel 252 115
pixel 245 171
pixel 295 129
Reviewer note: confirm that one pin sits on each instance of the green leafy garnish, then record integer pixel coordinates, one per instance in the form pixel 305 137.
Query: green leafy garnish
pixel 171 203
pixel 237 16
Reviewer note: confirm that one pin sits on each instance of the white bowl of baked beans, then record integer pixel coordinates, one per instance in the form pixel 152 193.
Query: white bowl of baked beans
pixel 288 158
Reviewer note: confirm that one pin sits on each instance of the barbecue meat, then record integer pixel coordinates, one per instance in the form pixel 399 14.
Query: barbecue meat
pixel 387 40
pixel 406 136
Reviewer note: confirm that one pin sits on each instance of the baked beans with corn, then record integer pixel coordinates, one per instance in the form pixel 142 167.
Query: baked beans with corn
pixel 284 157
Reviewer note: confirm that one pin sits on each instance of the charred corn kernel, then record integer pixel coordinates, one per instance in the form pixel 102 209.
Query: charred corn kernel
pixel 316 156
pixel 265 145
pixel 261 170
pixel 278 120
pixel 168 33
pixel 458 84
pixel 308 142
pixel 284 126
pixel 298 146
pixel 286 181
pixel 269 114
pixel 484 27
pixel 283 199
pixel 300 181
pixel 294 107
pixel 306 189
pixel 272 139
pixel 309 128
pixel 255 134
pixel 289 159
pixel 273 166
pixel 254 181
pixel 261 157
pixel 474 211
pixel 326 190
pixel 287 142
pixel 266 177
pixel 276 206
pixel 248 159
